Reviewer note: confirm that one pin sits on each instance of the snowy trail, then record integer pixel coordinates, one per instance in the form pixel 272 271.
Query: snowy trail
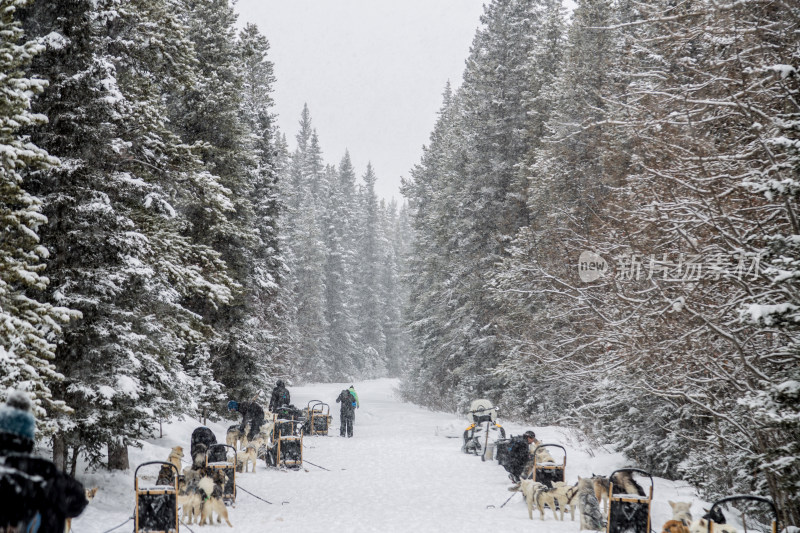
pixel 395 475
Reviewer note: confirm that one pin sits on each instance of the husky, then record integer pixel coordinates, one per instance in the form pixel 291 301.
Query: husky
pixel 233 437
pixel 538 494
pixel 212 502
pixel 674 526
pixel 680 512
pixel 90 494
pixel 600 484
pixel 717 518
pixel 562 494
pixel 542 455
pixel 190 499
pixel 625 484
pixel 701 526
pixel 588 506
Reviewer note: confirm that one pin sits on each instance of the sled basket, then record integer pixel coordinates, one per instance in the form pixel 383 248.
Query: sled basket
pixel 156 505
pixel 288 451
pixel 225 467
pixel 318 418
pixel 760 523
pixel 548 472
pixel 628 513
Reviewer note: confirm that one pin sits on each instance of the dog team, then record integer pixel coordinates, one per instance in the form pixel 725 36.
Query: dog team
pixel 200 487
pixel 590 493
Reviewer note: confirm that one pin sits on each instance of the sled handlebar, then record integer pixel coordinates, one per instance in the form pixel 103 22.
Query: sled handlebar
pixel 739 497
pixel 639 470
pixel 553 445
pixel 482 409
pixel 162 463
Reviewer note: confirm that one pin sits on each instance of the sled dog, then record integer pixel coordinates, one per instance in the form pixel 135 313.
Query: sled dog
pixel 600 484
pixel 175 457
pixel 234 436
pixel 680 512
pixel 588 506
pixel 562 494
pixel 542 455
pixel 189 498
pixel 247 457
pixel 90 494
pixel 212 502
pixel 625 484
pixel 537 494
pixel 674 526
pixel 701 526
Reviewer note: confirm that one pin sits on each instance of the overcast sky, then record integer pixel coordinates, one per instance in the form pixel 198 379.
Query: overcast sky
pixel 371 71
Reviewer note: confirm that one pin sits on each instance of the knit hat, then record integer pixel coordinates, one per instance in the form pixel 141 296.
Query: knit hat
pixel 233 405
pixel 17 425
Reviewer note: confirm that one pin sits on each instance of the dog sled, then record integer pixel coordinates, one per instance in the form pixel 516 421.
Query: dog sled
pixel 286 451
pixel 759 520
pixel 156 508
pixel 628 513
pixel 226 467
pixel 545 471
pixel 482 416
pixel 317 418
pixel 287 420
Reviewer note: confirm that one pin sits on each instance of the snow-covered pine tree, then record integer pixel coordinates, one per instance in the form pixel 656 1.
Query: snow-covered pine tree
pixel 267 311
pixel 29 326
pixel 371 361
pixel 341 348
pixel 115 229
pixel 210 114
pixel 487 205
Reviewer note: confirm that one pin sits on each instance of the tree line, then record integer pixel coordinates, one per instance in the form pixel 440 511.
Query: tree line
pixel 606 234
pixel 161 249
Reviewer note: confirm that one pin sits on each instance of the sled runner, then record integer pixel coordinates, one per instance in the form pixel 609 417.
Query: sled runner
pixel 226 467
pixel 482 416
pixel 156 505
pixel 547 472
pixel 317 418
pixel 759 520
pixel 629 513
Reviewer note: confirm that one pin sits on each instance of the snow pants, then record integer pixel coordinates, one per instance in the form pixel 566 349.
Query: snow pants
pixel 347 424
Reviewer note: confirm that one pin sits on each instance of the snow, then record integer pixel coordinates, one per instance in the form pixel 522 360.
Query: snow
pixel 399 473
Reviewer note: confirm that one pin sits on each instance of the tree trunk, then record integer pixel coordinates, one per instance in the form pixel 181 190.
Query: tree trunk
pixel 74 461
pixel 60 451
pixel 117 455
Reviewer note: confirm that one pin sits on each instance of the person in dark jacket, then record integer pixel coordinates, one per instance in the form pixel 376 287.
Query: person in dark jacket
pixel 347 414
pixel 36 495
pixel 252 414
pixel 519 455
pixel 280 396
